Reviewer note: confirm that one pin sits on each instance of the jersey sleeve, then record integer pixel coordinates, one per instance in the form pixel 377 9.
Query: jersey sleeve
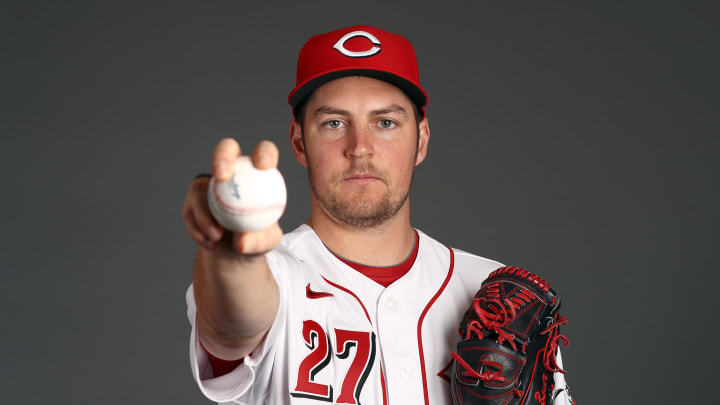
pixel 250 381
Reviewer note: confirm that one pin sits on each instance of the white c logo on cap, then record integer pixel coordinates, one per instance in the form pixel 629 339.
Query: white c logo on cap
pixel 340 45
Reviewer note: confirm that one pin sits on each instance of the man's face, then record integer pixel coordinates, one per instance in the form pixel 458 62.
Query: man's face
pixel 361 145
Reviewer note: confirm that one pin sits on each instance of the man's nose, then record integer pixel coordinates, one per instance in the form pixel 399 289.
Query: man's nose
pixel 359 142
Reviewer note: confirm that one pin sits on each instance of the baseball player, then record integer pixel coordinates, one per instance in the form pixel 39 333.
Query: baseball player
pixel 355 306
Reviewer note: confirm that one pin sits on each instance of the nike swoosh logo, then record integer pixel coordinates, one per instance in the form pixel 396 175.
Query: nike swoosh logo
pixel 316 294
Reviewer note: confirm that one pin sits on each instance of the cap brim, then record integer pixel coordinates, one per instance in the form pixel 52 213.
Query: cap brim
pixel 416 94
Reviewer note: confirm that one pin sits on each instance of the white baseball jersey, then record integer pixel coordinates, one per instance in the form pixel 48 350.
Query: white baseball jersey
pixel 341 338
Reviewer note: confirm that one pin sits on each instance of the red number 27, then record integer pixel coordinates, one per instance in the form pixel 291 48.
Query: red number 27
pixel 320 354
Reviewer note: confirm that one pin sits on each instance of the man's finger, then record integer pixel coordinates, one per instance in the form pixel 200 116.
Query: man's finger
pixel 266 155
pixel 192 227
pixel 259 242
pixel 226 153
pixel 197 198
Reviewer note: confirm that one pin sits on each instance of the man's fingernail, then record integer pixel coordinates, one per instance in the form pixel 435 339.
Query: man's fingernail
pixel 263 160
pixel 220 168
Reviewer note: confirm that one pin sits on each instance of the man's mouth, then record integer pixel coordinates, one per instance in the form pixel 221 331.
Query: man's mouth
pixel 361 178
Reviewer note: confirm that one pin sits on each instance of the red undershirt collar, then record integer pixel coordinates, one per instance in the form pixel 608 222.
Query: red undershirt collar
pixel 385 275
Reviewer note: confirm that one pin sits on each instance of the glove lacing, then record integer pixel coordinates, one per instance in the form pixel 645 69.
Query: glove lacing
pixel 549 358
pixel 490 322
pixel 494 322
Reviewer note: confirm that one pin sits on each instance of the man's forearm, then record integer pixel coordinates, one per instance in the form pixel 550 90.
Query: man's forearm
pixel 237 300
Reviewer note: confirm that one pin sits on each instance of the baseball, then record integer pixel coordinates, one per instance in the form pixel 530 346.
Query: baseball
pixel 251 200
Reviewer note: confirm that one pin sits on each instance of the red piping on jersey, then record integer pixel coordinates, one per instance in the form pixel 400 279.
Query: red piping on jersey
pixel 382 376
pixel 382 383
pixel 351 293
pixel 422 318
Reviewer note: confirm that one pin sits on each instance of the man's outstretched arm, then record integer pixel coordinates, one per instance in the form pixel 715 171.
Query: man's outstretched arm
pixel 235 293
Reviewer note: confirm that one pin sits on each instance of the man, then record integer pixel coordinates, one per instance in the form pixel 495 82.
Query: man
pixel 355 306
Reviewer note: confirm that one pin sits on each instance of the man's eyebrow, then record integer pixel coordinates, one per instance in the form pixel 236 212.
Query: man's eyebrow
pixel 394 108
pixel 325 110
pixel 390 109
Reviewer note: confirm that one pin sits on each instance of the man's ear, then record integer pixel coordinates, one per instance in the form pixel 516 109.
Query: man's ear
pixel 296 142
pixel 423 139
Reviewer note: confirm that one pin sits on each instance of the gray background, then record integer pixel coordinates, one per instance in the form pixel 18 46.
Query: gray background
pixel 576 140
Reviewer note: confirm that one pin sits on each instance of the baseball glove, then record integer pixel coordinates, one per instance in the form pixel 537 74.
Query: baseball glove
pixel 509 338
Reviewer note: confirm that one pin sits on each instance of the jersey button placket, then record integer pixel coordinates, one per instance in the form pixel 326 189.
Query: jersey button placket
pixel 392 304
pixel 397 334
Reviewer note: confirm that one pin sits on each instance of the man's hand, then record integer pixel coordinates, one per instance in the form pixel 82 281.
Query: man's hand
pixel 203 228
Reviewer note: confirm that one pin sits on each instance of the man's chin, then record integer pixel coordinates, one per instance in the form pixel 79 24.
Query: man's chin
pixel 357 210
pixel 364 213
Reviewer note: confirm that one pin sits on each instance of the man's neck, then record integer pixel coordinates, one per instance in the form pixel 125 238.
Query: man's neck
pixel 384 245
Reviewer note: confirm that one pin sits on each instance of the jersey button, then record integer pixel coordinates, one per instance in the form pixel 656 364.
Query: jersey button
pixel 391 302
pixel 405 372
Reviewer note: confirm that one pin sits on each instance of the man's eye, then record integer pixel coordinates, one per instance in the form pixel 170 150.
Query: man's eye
pixel 333 124
pixel 386 124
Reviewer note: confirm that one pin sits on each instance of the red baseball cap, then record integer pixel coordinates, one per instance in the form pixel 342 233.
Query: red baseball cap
pixel 360 50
